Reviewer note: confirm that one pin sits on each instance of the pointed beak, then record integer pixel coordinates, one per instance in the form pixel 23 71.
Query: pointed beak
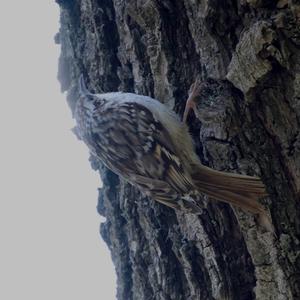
pixel 83 91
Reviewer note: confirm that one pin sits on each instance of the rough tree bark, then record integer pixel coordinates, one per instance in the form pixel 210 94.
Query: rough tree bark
pixel 247 51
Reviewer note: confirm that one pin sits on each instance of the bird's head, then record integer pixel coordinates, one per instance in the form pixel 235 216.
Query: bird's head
pixel 85 106
pixel 88 105
pixel 88 100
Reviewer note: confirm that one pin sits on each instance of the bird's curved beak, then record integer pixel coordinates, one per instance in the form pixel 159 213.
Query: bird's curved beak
pixel 83 91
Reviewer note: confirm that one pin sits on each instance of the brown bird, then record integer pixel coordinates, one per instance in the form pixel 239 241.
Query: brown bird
pixel 140 139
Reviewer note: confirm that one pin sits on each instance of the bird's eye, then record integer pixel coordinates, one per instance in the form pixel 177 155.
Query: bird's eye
pixel 90 97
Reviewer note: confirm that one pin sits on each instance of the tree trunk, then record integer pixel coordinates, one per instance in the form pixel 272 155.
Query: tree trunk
pixel 247 53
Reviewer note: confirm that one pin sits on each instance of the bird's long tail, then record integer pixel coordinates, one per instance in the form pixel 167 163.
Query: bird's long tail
pixel 239 190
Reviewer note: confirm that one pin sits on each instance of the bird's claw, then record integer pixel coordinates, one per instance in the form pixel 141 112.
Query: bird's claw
pixel 190 104
pixel 195 89
pixel 194 92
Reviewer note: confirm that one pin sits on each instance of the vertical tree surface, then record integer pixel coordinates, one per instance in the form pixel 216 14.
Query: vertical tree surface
pixel 247 53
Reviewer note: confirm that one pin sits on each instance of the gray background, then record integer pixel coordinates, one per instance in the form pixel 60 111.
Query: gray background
pixel 50 245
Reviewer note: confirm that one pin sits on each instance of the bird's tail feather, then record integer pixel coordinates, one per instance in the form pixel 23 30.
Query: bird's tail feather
pixel 239 190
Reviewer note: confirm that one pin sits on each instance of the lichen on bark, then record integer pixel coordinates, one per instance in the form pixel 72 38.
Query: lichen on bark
pixel 247 53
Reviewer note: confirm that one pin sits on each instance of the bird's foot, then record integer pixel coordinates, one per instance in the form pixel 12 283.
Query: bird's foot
pixel 191 102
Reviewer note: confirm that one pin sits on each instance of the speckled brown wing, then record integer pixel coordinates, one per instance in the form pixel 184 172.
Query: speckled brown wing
pixel 133 144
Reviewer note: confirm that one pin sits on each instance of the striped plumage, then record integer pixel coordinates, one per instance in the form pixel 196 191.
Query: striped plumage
pixel 141 140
